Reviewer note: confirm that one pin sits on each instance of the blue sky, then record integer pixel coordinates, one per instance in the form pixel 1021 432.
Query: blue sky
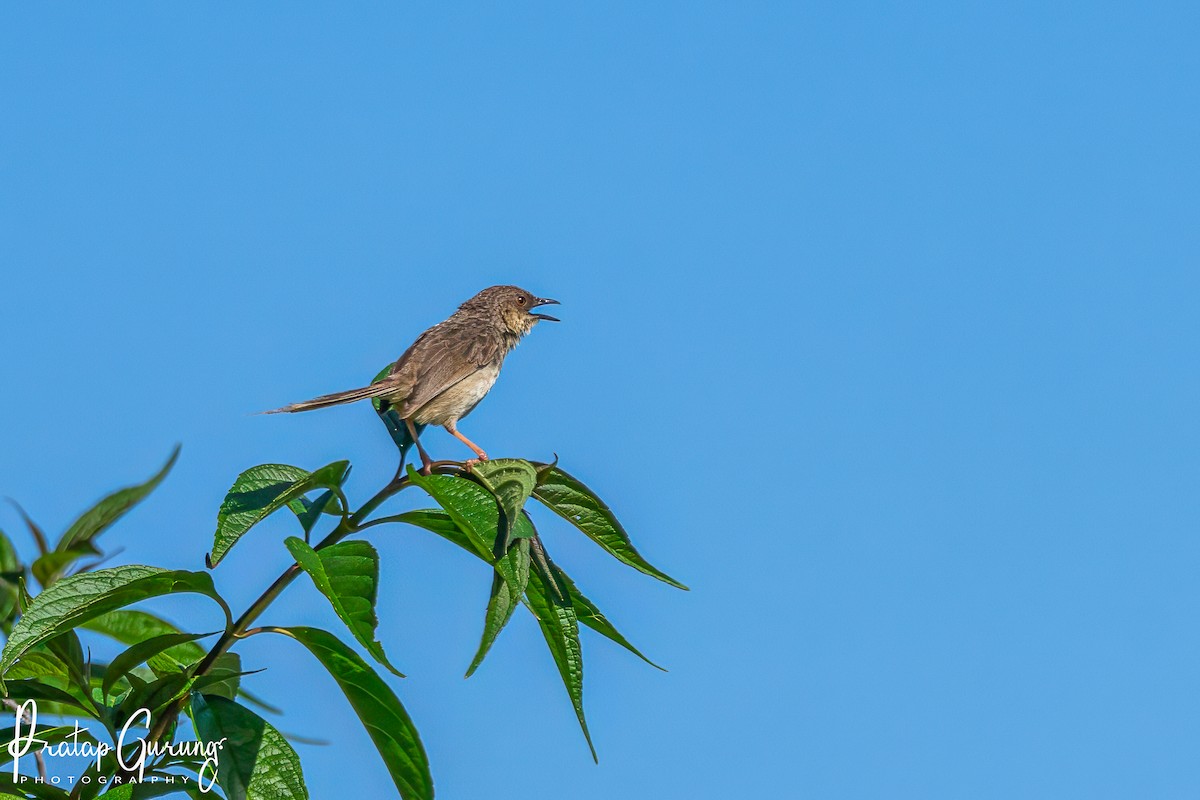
pixel 879 331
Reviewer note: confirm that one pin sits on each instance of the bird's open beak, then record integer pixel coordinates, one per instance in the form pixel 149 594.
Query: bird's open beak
pixel 544 301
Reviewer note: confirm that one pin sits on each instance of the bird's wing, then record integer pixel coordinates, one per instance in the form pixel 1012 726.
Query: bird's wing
pixel 442 356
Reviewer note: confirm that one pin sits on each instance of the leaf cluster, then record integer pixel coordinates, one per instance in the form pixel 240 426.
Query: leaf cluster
pixel 190 681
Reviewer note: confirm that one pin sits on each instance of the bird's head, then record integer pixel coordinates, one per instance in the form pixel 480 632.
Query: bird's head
pixel 510 307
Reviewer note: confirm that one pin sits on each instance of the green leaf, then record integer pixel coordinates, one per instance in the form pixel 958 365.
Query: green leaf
pixel 511 481
pixel 503 601
pixel 255 700
pixel 32 689
pixel 29 788
pixel 475 511
pixel 10 572
pixel 80 598
pixel 378 708
pixel 141 652
pixel 39 536
pixel 585 610
pixel 67 648
pixel 439 522
pixel 576 503
pixel 467 503
pixel 154 696
pixel 50 567
pixel 225 677
pixel 95 520
pixel 309 511
pixel 560 628
pixel 347 573
pixel 129 627
pixel 261 491
pixel 39 663
pixel 255 760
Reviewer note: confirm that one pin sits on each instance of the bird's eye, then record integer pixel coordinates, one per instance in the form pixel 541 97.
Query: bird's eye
pixel 521 300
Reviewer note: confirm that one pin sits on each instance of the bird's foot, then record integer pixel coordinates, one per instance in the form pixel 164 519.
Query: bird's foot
pixel 426 465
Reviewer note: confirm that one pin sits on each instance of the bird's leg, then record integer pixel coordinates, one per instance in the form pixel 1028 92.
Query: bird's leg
pixel 426 461
pixel 453 429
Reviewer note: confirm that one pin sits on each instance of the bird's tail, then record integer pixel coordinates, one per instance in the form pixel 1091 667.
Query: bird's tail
pixel 326 400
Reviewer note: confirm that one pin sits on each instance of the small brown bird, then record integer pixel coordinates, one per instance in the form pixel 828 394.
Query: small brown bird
pixel 450 367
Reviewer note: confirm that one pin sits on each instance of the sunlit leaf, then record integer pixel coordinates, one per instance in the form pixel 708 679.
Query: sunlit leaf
pixel 511 481
pixel 75 600
pixel 474 510
pixel 347 573
pixel 28 787
pixel 255 761
pixel 377 706
pixel 576 503
pixel 560 628
pixel 261 491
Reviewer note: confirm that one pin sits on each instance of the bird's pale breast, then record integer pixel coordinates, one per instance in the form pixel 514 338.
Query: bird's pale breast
pixel 457 401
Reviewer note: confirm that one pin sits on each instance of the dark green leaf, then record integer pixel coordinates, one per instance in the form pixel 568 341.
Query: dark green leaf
pixel 154 696
pixel 261 491
pixel 255 700
pixel 561 630
pixel 39 536
pixel 67 648
pixel 32 689
pixel 309 511
pixel 511 481
pixel 10 572
pixel 224 678
pixel 377 706
pixel 391 419
pixel 347 573
pixel 96 519
pixel 255 762
pixel 80 598
pixel 574 502
pixel 503 601
pixel 141 652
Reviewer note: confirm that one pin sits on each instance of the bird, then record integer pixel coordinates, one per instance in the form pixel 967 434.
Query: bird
pixel 452 366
